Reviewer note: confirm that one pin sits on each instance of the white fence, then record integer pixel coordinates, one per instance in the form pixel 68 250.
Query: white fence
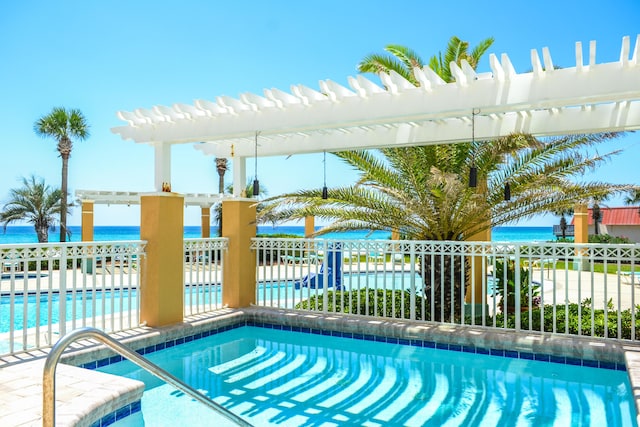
pixel 563 288
pixel 203 276
pixel 49 289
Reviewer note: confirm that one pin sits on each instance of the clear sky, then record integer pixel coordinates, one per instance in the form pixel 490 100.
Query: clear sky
pixel 105 56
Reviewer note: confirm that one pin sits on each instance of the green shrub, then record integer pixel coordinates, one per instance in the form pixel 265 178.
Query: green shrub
pixel 578 320
pixel 607 238
pixel 369 302
pixel 528 289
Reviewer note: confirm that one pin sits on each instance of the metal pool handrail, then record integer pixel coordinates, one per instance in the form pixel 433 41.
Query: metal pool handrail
pixel 49 374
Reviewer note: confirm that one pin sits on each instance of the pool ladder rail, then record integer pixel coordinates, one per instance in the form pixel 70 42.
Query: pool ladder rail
pixel 49 375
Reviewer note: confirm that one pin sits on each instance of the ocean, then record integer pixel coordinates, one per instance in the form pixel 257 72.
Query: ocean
pixel 26 234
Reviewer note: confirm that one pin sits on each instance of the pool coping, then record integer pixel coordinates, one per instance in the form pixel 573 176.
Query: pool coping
pixel 608 354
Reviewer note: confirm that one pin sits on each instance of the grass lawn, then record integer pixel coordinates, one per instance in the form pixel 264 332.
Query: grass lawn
pixel 598 267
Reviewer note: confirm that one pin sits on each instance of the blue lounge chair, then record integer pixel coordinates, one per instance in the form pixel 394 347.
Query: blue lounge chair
pixel 333 264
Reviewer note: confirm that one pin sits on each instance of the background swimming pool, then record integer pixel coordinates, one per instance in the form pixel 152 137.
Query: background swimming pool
pixel 99 302
pixel 276 378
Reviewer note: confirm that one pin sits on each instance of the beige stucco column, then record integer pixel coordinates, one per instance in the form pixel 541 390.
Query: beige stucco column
pixel 473 292
pixel 87 221
pixel 86 232
pixel 205 222
pixel 581 223
pixel 309 226
pixel 395 234
pixel 239 226
pixel 581 235
pixel 162 272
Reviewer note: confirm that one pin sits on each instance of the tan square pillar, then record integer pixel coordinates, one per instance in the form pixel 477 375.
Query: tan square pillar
pixel 87 221
pixel 162 275
pixel 309 226
pixel 205 222
pixel 581 235
pixel 581 224
pixel 239 225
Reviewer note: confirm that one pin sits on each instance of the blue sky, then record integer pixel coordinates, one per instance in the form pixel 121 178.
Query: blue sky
pixel 105 56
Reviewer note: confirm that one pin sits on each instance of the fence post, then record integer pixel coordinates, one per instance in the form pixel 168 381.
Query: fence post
pixel 62 290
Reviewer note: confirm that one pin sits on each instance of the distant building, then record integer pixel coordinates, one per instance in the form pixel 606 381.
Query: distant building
pixel 620 222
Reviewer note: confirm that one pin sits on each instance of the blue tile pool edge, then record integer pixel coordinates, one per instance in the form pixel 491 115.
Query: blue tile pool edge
pixel 514 354
pixel 118 414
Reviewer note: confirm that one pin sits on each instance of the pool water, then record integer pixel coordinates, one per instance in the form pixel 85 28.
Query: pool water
pixel 278 378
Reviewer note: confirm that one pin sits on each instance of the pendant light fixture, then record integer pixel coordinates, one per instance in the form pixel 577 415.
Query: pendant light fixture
pixel 507 191
pixel 473 171
pixel 256 183
pixel 325 191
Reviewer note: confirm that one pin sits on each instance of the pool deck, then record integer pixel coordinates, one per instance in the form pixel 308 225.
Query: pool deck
pixel 81 395
pixel 84 395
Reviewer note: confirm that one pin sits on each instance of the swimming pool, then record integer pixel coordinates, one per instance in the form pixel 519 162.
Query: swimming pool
pixel 80 304
pixel 272 377
pixel 106 302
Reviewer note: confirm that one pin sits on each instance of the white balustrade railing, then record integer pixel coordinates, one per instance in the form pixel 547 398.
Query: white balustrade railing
pixel 561 288
pixel 49 289
pixel 203 259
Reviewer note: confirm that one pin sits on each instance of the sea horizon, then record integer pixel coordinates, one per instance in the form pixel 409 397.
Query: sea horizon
pixel 20 234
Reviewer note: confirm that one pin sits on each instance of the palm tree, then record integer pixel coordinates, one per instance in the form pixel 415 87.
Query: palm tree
pixel 403 60
pixel 62 125
pixel 563 221
pixel 633 198
pixel 596 211
pixel 221 167
pixel 34 202
pixel 424 191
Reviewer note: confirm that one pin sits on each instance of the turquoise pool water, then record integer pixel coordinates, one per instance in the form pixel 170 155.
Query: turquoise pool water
pixel 277 378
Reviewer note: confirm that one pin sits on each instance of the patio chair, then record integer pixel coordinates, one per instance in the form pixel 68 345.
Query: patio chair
pixel 630 277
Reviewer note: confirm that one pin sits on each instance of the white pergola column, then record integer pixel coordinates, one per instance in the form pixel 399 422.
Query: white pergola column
pixel 162 178
pixel 239 176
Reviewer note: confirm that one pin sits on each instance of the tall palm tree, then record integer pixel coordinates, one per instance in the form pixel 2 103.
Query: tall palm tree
pixel 424 191
pixel 34 202
pixel 62 125
pixel 596 211
pixel 562 213
pixel 221 167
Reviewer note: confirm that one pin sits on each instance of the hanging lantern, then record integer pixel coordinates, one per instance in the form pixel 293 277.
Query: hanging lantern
pixel 507 191
pixel 473 177
pixel 325 191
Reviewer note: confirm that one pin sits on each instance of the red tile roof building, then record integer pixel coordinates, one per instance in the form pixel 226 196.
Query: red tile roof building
pixel 621 222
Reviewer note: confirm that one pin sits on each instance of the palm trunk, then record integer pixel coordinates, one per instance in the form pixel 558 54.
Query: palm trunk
pixel 447 289
pixel 63 198
pixel 43 234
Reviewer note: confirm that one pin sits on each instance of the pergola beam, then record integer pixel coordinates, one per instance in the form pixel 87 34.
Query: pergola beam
pixel 133 198
pixel 229 124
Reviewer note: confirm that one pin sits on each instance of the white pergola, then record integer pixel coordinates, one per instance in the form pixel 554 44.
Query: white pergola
pixel 588 97
pixel 133 198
